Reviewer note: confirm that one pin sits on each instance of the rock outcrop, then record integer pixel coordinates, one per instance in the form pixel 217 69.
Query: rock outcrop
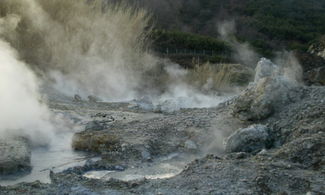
pixel 269 91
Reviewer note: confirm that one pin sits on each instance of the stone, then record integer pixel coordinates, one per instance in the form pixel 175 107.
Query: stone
pixel 252 139
pixel 15 155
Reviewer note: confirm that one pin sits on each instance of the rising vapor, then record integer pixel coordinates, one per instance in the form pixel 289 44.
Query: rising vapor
pixel 22 112
pixel 85 47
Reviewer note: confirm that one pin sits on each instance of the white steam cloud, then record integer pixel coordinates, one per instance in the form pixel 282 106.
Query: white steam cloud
pixel 22 112
pixel 85 47
pixel 243 53
pixel 95 48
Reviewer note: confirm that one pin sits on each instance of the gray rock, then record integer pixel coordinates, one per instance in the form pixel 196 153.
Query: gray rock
pixel 15 155
pixel 251 139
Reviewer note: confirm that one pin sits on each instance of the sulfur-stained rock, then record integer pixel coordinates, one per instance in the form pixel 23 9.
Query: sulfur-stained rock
pixel 95 141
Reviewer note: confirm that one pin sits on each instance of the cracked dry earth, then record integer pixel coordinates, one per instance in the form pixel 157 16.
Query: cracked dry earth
pixel 182 152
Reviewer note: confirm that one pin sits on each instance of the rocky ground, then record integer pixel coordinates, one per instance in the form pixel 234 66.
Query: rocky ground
pixel 270 139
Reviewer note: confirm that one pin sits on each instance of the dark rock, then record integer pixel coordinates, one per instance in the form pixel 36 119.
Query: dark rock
pixel 317 76
pixel 251 139
pixel 15 155
pixel 77 98
pixel 318 47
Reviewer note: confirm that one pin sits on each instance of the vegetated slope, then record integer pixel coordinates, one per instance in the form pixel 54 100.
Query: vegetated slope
pixel 267 24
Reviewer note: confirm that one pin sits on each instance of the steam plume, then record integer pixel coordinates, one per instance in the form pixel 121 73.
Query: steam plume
pixel 22 112
pixel 86 45
pixel 243 53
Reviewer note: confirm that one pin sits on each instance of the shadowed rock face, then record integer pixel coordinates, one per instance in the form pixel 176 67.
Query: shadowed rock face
pixel 15 155
pixel 317 76
pixel 318 48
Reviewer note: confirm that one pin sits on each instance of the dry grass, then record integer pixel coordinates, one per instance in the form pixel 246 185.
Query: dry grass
pixel 220 76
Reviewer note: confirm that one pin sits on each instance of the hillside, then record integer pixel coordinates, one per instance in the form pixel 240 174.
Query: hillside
pixel 268 25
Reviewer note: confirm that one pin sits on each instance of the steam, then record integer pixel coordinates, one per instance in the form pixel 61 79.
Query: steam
pixel 243 53
pixel 90 47
pixel 22 112
pixel 292 69
pixel 181 93
pixel 96 48
pixel 85 48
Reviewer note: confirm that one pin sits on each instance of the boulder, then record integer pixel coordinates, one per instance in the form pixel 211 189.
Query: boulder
pixel 15 155
pixel 251 139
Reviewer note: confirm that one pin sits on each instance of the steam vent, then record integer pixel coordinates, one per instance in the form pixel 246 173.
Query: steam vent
pixel 123 97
